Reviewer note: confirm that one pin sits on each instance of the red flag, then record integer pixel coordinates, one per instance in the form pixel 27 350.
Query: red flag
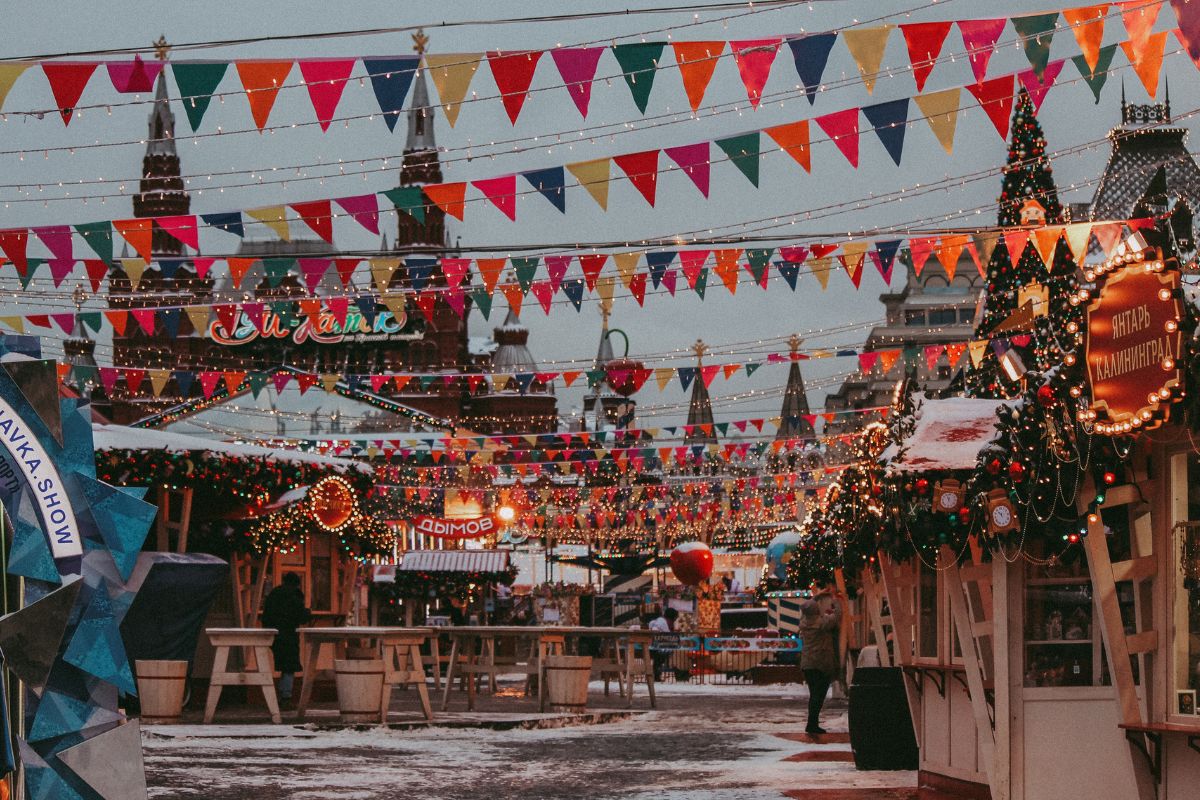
pixel 924 40
pixel 318 215
pixel 67 82
pixel 996 98
pixel 842 127
pixel 592 264
pixel 513 72
pixel 326 79
pixel 642 171
pixel 502 192
pixel 754 58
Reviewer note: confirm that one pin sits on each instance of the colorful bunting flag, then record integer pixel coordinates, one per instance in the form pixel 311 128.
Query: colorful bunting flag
pixel 326 80
pixel 697 61
pixel 638 63
pixel 889 121
pixel 924 41
pixel 594 176
pixel 754 58
pixel 866 46
pixel 262 81
pixel 811 54
pixel 452 74
pixel 513 73
pixel 390 80
pixel 979 38
pixel 1088 26
pixel 67 81
pixel 577 67
pixel 842 128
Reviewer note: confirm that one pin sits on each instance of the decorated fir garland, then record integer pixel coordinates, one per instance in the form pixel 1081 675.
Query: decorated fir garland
pixel 330 507
pixel 429 585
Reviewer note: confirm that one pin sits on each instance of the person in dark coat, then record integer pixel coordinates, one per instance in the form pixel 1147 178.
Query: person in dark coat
pixel 285 610
pixel 818 656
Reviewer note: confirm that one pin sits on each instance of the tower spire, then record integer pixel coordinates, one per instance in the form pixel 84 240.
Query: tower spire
pixel 700 414
pixel 161 192
pixel 793 423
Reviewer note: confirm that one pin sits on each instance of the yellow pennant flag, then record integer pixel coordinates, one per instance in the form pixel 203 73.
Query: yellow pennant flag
pixel 1147 59
pixel 977 348
pixel 852 260
pixel 663 376
pixel 452 74
pixel 382 270
pixel 940 110
pixel 604 288
pixel 395 303
pixel 1077 236
pixel 16 323
pixel 134 268
pixel 158 380
pixel 593 176
pixel 329 382
pixel 627 265
pixel 866 45
pixel 985 245
pixel 9 72
pixel 820 268
pixel 198 316
pixel 275 218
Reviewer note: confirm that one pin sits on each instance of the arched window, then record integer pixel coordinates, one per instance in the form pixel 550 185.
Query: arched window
pixel 1181 226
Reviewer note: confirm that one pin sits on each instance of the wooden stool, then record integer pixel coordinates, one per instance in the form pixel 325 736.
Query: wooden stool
pixel 403 666
pixel 258 668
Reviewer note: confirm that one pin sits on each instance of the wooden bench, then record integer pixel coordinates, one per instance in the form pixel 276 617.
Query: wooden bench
pixel 1153 732
pixel 258 666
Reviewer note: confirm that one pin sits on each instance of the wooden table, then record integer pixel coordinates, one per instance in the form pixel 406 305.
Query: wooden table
pixel 399 648
pixel 477 646
pixel 258 666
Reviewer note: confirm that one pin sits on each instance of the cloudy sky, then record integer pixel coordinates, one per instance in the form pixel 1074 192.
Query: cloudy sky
pixel 294 163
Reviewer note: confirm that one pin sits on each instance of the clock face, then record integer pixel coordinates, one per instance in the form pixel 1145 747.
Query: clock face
pixel 948 500
pixel 1001 516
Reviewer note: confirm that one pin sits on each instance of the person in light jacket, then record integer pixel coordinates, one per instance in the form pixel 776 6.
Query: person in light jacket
pixel 818 656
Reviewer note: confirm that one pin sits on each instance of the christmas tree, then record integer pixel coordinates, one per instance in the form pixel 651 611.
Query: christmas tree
pixel 1027 306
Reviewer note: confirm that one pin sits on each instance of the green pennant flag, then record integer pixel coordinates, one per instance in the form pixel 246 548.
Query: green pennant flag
pixel 701 282
pixel 760 260
pixel 98 235
pixel 277 269
pixel 257 381
pixel 595 376
pixel 409 199
pixel 30 269
pixel 751 368
pixel 1036 32
pixel 910 357
pixel 92 319
pixel 196 83
pixel 483 301
pixel 638 64
pixel 722 428
pixel 426 381
pixel 85 374
pixel 743 152
pixel 284 309
pixel 526 268
pixel 1095 78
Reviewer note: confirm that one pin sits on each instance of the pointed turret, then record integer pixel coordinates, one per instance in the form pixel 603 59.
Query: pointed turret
pixel 600 404
pixel 512 356
pixel 420 166
pixel 161 192
pixel 793 424
pixel 700 412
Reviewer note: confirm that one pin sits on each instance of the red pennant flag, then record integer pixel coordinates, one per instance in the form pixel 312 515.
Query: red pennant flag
pixel 556 268
pixel 754 58
pixel 202 264
pixel 693 160
pixel 118 320
pixel 842 127
pixel 924 40
pixel 208 381
pixel 996 98
pixel 14 243
pixel 455 270
pixel 318 215
pixel 544 293
pixel 262 81
pixel 920 249
pixel 325 79
pixel 181 227
pixel 96 271
pixel 145 319
pixel 592 264
pixel 306 381
pixel 794 254
pixel 456 299
pixel 345 269
pixel 67 82
pixel 1014 242
pixel 707 374
pixel 133 379
pixel 513 72
pixel 254 313
pixel 449 197
pixel 637 287
pixel 866 361
pixel 378 382
pixel 139 233
pixel 313 270
pixel 227 314
pixel 426 302
pixel 339 307
pixel 364 208
pixel 281 380
pixel 642 171
pixel 502 192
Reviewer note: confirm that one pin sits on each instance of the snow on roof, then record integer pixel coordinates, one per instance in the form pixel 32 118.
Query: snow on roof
pixel 120 437
pixel 454 561
pixel 481 345
pixel 948 435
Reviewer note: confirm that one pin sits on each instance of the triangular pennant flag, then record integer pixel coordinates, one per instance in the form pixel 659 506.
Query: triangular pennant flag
pixel 502 192
pixel 98 235
pixel 452 74
pixel 1107 236
pixel 197 82
pixel 573 289
pixel 145 319
pixel 985 245
pixel 577 66
pixel 637 288
pixel 591 264
pixel 449 197
pixel 455 270
pixel 1147 61
pixel 996 99
pixel 727 268
pixel 948 251
pixel 181 227
pixel 920 249
pixel 325 79
pixel 642 171
pixel 1037 87
pixel 867 361
pixel 884 256
pixel 1014 243
pixel 1188 32
pixel 515 297
pixel 662 376
pixel 1088 26
pixel 887 360
pixel 364 208
pixel 1045 241
pixel 842 128
pixel 866 46
pixel 390 80
pixel 318 215
pixel 97 270
pixel 158 380
pixel 638 63
pixel 117 319
pixel 852 260
pixel 889 120
pixel 1036 31
pixel 133 268
pixel 544 293
pixel 67 81
pixel 793 139
pixel 693 264
pixel 941 112
pixel 657 262
pixel 693 160
pixel 138 232
pixel 9 72
pixel 979 38
pixel 1096 77
pixel 924 41
pixel 483 301
pixel 593 176
pixel 820 269
pixel 743 151
pixel 409 199
pixel 1139 18
pixel 513 72
pixel 262 81
pixel 933 353
pixel 550 184
pixel 757 261
pixel 58 241
pixel 229 222
pixel 238 267
pixel 490 270
pixel 954 353
pixel 697 61
pixel 382 270
pixel 626 264
pixel 701 283
pixel 754 58
pixel 198 319
pixel 525 268
pixel 811 54
pixel 1077 236
pixel 15 244
pixel 419 270
pixel 275 218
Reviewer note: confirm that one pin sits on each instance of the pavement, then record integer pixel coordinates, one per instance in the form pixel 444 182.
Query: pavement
pixel 701 743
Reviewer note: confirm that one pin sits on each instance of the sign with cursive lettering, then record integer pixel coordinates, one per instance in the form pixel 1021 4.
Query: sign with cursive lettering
pixel 1133 346
pixel 323 328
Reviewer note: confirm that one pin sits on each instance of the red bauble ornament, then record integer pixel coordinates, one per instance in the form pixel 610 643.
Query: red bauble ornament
pixel 621 375
pixel 692 563
pixel 922 486
pixel 994 466
pixel 1110 478
pixel 1045 396
pixel 1016 471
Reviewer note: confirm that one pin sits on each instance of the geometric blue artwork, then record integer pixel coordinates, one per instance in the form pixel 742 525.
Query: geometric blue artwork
pixel 96 646
pixel 123 520
pixel 29 555
pixel 41 781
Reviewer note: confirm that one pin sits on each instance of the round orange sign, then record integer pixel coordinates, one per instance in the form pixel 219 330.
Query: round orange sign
pixel 332 503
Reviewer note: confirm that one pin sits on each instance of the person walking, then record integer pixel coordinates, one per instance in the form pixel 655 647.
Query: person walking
pixel 818 656
pixel 285 610
pixel 664 623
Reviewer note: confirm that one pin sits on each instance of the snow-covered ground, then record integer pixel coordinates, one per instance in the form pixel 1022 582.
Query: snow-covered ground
pixel 703 743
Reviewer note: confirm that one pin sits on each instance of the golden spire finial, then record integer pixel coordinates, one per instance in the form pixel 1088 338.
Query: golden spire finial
pixel 794 341
pixel 419 41
pixel 605 313
pixel 161 48
pixel 700 348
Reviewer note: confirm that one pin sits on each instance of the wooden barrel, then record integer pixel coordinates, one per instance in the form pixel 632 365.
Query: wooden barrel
pixel 359 689
pixel 567 681
pixel 161 688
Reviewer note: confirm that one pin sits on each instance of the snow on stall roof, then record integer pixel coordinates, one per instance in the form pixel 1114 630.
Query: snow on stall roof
pixel 121 437
pixel 454 561
pixel 949 434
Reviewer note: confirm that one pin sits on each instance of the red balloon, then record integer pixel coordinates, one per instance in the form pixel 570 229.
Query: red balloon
pixel 692 563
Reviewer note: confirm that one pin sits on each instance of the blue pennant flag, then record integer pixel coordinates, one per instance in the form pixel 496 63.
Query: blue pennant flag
pixel 657 263
pixel 524 381
pixel 686 376
pixel 573 289
pixel 169 266
pixel 366 304
pixel 790 271
pixel 228 222
pixel 390 78
pixel 170 321
pixel 887 256
pixel 811 54
pixel 419 270
pixel 183 380
pixel 889 120
pixel 550 183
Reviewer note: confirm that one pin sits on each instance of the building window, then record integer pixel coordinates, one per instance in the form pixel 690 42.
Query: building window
pixel 942 316
pixel 1062 635
pixel 1185 658
pixel 914 319
pixel 966 314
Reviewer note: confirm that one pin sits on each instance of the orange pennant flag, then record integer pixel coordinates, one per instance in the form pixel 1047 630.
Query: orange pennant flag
pixel 730 370
pixel 514 295
pixel 954 352
pixel 948 252
pixel 449 197
pixel 920 248
pixel 793 140
pixel 1045 240
pixel 117 319
pixel 1139 17
pixel 727 267
pixel 696 61
pixel 1014 242
pixel 1147 59
pixel 1088 26
pixel 262 81
pixel 489 270
pixel 1107 235
pixel 138 232
pixel 887 360
pixel 238 267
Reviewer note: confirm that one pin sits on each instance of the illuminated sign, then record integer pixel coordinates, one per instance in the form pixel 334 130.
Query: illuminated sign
pixel 326 329
pixel 455 528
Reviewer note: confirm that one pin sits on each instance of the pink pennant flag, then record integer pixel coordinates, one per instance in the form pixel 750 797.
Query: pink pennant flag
pixel 692 262
pixel 556 268
pixel 668 280
pixel 281 379
pixel 378 382
pixel 145 319
pixel 577 66
pixel 134 77
pixel 693 160
pixel 364 208
pixel 502 192
pixel 794 254
pixel 60 268
pixel 754 58
pixel 456 299
pixel 979 38
pixel 326 80
pixel 182 227
pixel 64 321
pixel 842 127
pixel 58 241
pixel 313 270
pixel 455 270
pixel 1037 88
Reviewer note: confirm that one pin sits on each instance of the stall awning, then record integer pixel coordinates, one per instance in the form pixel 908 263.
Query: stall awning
pixel 454 561
pixel 949 435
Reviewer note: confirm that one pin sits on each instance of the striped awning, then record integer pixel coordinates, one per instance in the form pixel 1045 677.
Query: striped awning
pixel 454 561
